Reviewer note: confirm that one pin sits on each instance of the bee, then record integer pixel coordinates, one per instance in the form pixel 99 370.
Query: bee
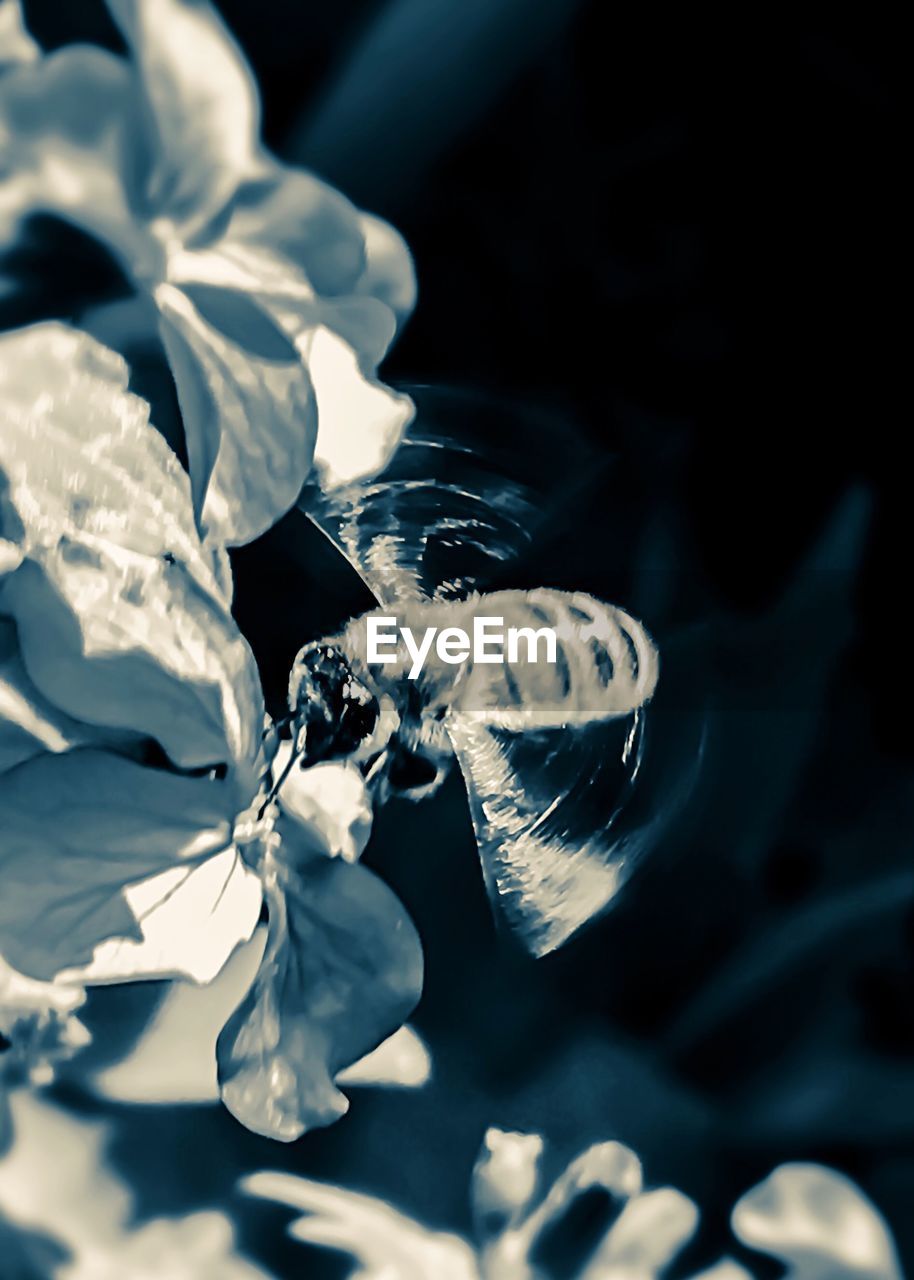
pixel 550 752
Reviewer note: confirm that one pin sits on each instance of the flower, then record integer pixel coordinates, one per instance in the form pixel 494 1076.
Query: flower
pixel 77 1201
pixel 138 840
pixel 273 297
pixel 597 1221
pixel 16 45
pixel 38 1029
pixel 38 1025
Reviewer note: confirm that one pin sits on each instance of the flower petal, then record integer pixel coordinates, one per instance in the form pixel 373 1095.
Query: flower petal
pixel 382 1242
pixel 78 829
pixel 389 273
pixel 402 1061
pixel 29 723
pixel 342 970
pixel 191 920
pixel 39 1026
pixel 151 1073
pixel 201 105
pixel 817 1222
pixel 122 618
pixel 360 421
pixel 340 342
pixel 16 45
pixel 549 1238
pixel 311 224
pixel 247 404
pixel 649 1232
pixel 505 1178
pixel 330 798
pixel 66 125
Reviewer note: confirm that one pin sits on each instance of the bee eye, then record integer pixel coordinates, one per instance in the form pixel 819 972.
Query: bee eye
pixel 334 712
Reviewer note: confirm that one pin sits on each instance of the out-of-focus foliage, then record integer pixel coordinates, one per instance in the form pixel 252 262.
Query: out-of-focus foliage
pixel 16 45
pixel 57 1182
pixel 274 298
pixel 38 1030
pixel 595 1222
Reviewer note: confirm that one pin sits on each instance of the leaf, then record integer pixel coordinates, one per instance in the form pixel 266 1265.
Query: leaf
pixel 247 404
pixel 804 940
pixel 123 618
pixel 200 101
pixel 78 830
pixel 341 972
pixel 774 674
pixel 818 1223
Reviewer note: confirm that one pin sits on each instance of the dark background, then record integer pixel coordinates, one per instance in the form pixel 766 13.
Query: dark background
pixel 678 237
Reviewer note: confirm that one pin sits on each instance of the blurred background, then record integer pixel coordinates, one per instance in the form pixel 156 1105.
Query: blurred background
pixel 677 240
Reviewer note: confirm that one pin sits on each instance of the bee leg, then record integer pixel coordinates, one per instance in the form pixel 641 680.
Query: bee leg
pixel 294 757
pixel 376 768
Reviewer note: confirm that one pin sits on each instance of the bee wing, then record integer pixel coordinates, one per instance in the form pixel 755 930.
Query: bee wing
pixel 464 494
pixel 570 780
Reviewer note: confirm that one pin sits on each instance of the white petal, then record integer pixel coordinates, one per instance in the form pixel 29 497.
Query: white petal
pixel 203 114
pixel 818 1222
pixel 175 1058
pixel 647 1235
pixel 402 1061
pixel 16 45
pixel 389 272
pixel 360 422
pixel 192 919
pixel 331 800
pixel 17 991
pixel 385 1244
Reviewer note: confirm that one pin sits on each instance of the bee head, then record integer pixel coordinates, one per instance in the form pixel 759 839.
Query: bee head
pixel 333 712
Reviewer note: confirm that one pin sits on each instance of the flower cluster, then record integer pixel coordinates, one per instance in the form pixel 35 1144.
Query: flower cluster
pixel 141 832
pixel 597 1221
pixel 77 1209
pixel 273 298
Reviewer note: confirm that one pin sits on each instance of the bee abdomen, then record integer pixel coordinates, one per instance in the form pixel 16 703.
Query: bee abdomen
pixel 567 658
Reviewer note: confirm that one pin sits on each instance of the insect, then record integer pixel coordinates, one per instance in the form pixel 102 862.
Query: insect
pixel 550 753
